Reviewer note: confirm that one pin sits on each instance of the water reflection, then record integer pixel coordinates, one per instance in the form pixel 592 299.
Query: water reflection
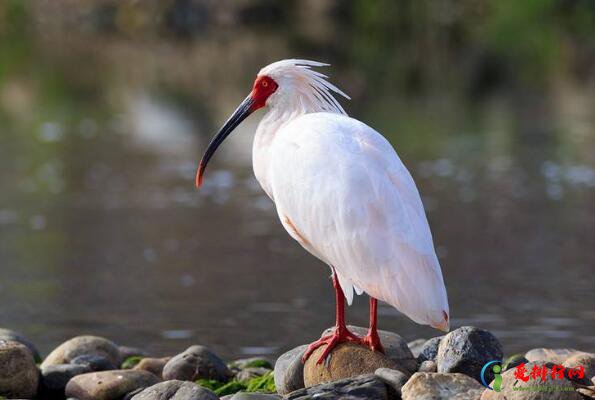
pixel 102 231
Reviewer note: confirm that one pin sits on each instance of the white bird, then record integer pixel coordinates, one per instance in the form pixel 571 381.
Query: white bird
pixel 342 192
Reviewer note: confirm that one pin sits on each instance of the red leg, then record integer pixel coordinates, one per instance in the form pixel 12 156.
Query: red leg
pixel 340 334
pixel 372 339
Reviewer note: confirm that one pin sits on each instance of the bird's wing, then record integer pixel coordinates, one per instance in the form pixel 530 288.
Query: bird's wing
pixel 344 194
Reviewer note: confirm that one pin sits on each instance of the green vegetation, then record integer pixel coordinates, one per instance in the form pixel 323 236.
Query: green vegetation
pixel 259 364
pixel 130 362
pixel 263 384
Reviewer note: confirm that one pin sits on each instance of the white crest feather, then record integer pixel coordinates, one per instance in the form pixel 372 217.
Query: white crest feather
pixel 311 90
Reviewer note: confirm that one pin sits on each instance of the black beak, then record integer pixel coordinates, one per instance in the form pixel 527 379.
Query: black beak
pixel 240 114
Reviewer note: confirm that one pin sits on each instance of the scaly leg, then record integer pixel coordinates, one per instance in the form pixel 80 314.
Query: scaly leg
pixel 340 334
pixel 371 339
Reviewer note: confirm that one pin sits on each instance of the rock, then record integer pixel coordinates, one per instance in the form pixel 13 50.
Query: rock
pixel 7 334
pixel 584 360
pixel 153 365
pixel 429 349
pixel 255 396
pixel 365 387
pixel 197 362
pixel 467 350
pixel 83 345
pixel 127 351
pixel 347 360
pixel 289 371
pixel 556 356
pixel 249 373
pixel 175 390
pixel 252 362
pixel 428 366
pixel 588 392
pixel 108 385
pixel 94 363
pixel 395 347
pixel 517 389
pixel 55 377
pixel 438 386
pixel 19 376
pixel 416 346
pixel 394 378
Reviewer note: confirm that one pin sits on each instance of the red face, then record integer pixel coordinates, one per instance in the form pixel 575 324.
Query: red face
pixel 264 86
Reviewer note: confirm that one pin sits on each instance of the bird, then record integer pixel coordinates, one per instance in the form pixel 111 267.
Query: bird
pixel 342 192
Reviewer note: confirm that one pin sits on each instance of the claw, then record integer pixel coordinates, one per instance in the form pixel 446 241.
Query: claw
pixel 340 335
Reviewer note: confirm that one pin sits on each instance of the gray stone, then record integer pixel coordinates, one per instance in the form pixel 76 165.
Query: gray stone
pixel 108 385
pixel 255 396
pixel 437 386
pixel 249 373
pixel 153 365
pixel 289 371
pixel 416 346
pixel 175 390
pixel 83 345
pixel 55 377
pixel 197 362
pixel 428 366
pixel 467 350
pixel 395 347
pixel 394 378
pixel 19 376
pixel 429 349
pixel 93 362
pixel 7 334
pixel 517 389
pixel 365 387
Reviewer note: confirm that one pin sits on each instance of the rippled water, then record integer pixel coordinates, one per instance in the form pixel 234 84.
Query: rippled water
pixel 102 231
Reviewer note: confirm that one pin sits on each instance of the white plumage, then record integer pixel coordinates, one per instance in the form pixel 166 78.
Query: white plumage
pixel 343 193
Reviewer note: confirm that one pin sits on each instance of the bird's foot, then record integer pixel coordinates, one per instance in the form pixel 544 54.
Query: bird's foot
pixel 340 335
pixel 372 340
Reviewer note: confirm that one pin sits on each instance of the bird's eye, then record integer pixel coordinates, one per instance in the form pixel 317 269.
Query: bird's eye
pixel 265 84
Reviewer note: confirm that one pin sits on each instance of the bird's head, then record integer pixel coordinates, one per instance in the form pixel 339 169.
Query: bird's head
pixel 287 85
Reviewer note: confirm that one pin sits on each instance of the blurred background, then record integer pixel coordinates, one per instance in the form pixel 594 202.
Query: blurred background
pixel 106 107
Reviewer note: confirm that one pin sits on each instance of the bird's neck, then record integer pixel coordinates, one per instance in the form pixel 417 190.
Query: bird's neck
pixel 273 120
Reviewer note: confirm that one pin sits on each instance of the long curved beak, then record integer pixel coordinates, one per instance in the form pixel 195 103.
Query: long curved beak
pixel 240 114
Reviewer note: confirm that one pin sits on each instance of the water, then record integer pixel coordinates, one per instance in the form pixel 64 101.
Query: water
pixel 102 231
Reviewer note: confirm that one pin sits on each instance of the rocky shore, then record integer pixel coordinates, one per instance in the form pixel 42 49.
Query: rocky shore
pixel 452 366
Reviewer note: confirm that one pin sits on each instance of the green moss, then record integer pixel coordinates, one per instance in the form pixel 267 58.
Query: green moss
pixel 259 364
pixel 210 383
pixel 265 383
pixel 230 387
pixel 130 362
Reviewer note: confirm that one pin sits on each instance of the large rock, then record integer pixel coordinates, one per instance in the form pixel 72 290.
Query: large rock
pixel 197 362
pixel 347 360
pixel 153 365
pixel 289 371
pixel 108 385
pixel 7 334
pixel 429 350
pixel 365 387
pixel 175 390
pixel 428 366
pixel 19 376
pixel 517 389
pixel 437 386
pixel 395 347
pixel 578 361
pixel 467 350
pixel 55 377
pixel 83 345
